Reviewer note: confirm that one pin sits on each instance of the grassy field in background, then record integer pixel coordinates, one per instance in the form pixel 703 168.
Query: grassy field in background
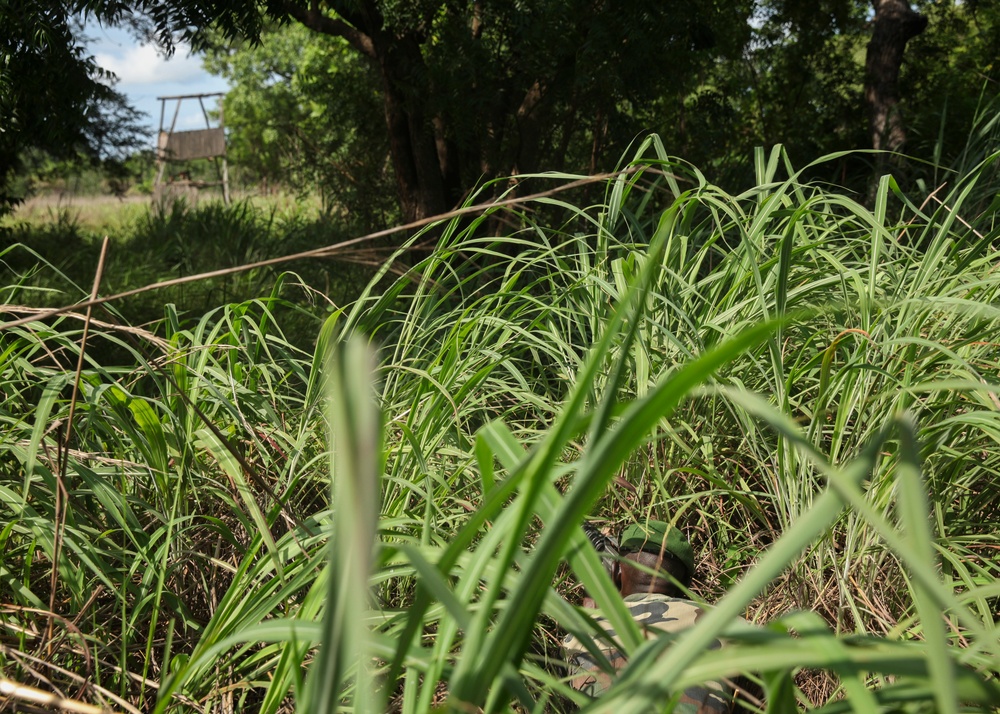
pixel 108 213
pixel 96 213
pixel 51 244
pixel 805 384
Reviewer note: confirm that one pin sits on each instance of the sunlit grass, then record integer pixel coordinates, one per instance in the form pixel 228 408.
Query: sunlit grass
pixel 99 214
pixel 805 385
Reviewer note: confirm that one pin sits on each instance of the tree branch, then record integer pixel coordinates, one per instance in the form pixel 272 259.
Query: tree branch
pixel 315 20
pixel 477 20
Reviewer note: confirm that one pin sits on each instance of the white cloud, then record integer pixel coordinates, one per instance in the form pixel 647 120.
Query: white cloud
pixel 144 75
pixel 142 65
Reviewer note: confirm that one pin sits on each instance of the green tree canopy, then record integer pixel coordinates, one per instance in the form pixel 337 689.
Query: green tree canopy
pixel 493 88
pixel 54 97
pixel 304 111
pixel 472 91
pixel 415 102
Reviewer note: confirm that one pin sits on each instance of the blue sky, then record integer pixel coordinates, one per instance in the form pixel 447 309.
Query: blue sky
pixel 144 74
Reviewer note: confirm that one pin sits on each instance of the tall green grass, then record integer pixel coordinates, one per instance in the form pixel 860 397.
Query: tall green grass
pixel 49 263
pixel 805 385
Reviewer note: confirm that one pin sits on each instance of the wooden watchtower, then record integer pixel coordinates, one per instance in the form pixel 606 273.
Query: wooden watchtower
pixel 207 143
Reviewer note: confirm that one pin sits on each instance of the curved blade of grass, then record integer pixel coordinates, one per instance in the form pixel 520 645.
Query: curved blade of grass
pixel 849 490
pixel 509 640
pixel 914 514
pixel 582 556
pixel 663 675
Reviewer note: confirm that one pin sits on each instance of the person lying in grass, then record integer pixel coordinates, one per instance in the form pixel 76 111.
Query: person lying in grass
pixel 655 561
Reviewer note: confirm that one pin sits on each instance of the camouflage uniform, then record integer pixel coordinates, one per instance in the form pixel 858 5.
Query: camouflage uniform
pixel 657 616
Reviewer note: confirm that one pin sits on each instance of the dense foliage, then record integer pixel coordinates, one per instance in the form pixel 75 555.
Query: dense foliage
pixel 50 260
pixel 52 97
pixel 403 108
pixel 494 89
pixel 805 385
pixel 300 112
pixel 55 98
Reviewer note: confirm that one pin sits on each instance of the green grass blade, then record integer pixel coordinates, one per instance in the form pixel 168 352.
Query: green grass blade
pixel 355 474
pixel 914 515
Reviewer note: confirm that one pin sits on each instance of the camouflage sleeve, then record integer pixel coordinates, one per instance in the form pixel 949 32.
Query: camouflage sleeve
pixel 589 677
pixel 593 672
pixel 658 617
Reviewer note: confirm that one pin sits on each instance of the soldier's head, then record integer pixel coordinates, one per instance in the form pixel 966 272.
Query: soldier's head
pixel 656 556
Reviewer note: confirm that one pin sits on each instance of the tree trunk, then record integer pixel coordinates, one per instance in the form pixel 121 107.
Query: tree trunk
pixel 412 138
pixel 413 143
pixel 895 24
pixel 428 162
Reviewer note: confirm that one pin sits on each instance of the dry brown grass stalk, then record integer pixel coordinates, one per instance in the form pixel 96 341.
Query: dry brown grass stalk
pixel 326 251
